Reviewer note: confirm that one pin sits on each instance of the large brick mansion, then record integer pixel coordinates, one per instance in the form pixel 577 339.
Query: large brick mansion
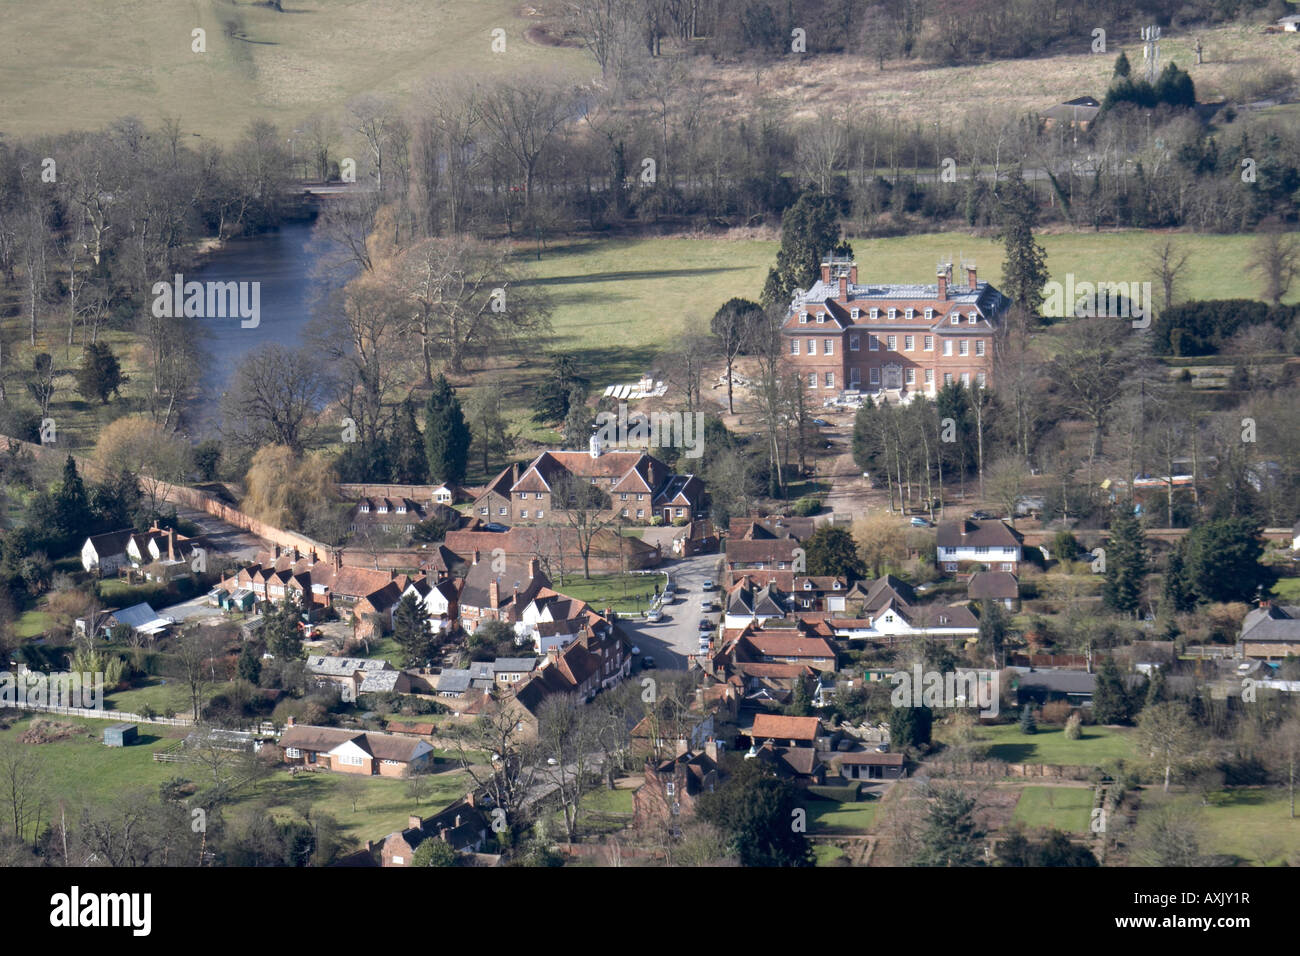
pixel 893 341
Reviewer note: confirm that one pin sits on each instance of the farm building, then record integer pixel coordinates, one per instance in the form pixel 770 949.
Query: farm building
pixel 121 735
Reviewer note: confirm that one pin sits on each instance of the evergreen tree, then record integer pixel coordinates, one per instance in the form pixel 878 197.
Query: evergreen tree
pixel 1156 691
pixel 801 699
pixel 413 632
pixel 1222 560
pixel 993 630
pixel 551 401
pixel 756 810
pixel 910 727
pixel 250 663
pixel 1126 563
pixel 71 505
pixel 832 551
pixel 1110 703
pixel 100 375
pixel 951 836
pixel 1122 68
pixel 1028 725
pixel 810 229
pixel 446 436
pixel 408 462
pixel 1178 589
pixel 1025 271
pixel 280 629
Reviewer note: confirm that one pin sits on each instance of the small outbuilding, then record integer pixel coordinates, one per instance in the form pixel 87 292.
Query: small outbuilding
pixel 121 735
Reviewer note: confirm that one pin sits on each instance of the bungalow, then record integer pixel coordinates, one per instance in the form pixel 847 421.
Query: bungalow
pixel 965 543
pixel 870 765
pixel 106 553
pixel 1270 631
pixel 350 751
pixel 1040 687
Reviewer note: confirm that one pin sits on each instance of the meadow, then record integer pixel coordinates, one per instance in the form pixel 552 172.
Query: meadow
pixel 1050 745
pixel 1252 825
pixel 1064 808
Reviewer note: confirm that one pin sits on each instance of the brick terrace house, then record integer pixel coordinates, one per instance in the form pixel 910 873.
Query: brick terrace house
pixel 498 590
pixel 640 486
pixel 461 826
pixel 672 787
pixel 893 341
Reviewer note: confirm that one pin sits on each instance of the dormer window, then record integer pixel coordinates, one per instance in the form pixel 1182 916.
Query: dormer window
pixel 365 507
pixel 383 508
pixel 875 313
pixel 855 312
pixel 973 317
pixel 401 508
pixel 929 313
pixel 911 313
pixel 821 317
pixel 803 318
pixel 955 318
pixel 893 313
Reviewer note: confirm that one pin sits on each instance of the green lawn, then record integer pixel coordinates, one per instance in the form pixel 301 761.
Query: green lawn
pixel 32 624
pixel 605 800
pixel 71 64
pixel 1050 746
pixel 825 854
pixel 617 591
pixel 825 816
pixel 1253 825
pixel 1065 808
pixel 160 694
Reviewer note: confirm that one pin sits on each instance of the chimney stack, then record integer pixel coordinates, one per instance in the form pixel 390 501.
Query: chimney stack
pixel 970 276
pixel 943 273
pixel 711 748
pixel 171 544
pixel 457 824
pixel 844 287
pixel 853 273
pixel 476 556
pixel 532 568
pixel 277 550
pixel 826 271
pixel 442 834
pixel 494 594
pixel 413 822
pixel 290 723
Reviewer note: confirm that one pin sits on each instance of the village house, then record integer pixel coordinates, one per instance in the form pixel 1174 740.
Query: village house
pixel 349 751
pixel 788 744
pixel 753 644
pixel 640 487
pixel 672 787
pixel 106 553
pixel 1270 632
pixel 497 589
pixel 747 602
pixel 892 341
pixel 896 622
pixel 870 765
pixel 1001 587
pixel 992 544
pixel 768 550
pixel 396 515
pixel 461 826
pixel 358 675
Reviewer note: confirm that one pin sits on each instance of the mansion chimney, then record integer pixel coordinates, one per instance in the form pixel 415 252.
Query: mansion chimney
pixel 844 287
pixel 970 277
pixel 413 822
pixel 532 568
pixel 944 273
pixel 853 273
pixel 826 272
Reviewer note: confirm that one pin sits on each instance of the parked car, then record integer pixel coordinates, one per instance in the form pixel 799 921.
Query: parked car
pixel 706 624
pixel 983 515
pixel 821 423
pixel 711 607
pixel 919 522
pixel 654 615
pixel 647 663
pixel 709 585
pixel 669 596
pixel 493 526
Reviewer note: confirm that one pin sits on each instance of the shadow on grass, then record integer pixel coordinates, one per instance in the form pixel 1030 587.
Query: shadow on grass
pixel 1012 753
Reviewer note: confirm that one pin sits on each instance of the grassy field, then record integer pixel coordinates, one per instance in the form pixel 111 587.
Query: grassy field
pixel 826 816
pixel 1253 825
pixel 1050 746
pixel 70 64
pixel 1065 808
pixel 158 693
pixel 32 624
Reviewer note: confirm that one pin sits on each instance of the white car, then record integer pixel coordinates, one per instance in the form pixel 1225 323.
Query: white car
pixel 654 615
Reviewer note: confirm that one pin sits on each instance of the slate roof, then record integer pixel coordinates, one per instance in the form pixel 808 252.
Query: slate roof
pixel 345 666
pixel 968 533
pixel 1272 623
pixel 997 585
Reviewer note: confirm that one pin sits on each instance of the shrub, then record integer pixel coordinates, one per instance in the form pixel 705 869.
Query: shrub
pixel 1056 712
pixel 1073 727
pixel 808 505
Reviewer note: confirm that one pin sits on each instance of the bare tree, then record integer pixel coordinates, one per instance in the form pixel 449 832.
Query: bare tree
pixel 275 391
pixel 22 787
pixel 587 509
pixel 1275 257
pixel 525 114
pixel 1167 263
pixel 566 746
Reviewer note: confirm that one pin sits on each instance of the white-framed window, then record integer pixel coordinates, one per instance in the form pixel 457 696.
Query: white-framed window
pixel 803 318
pixel 972 317
pixel 947 378
pixel 640 512
pixel 853 341
pixel 681 512
pixel 855 377
pixel 821 317
pixel 640 497
pixel 622 496
pixel 539 514
pixel 963 347
pixel 670 788
pixel 947 346
pixel 794 346
pixel 929 313
pixel 929 343
pixel 624 512
pixel 873 342
pixel 891 343
pixel 910 313
pixel 965 378
pixel 909 376
pixel 875 376
pixel 893 313
pixel 399 861
pixel 524 513
pixel 828 347
pixel 855 312
pixel 909 343
pixel 812 379
pixel 523 496
pixel 955 318
pixel 483 511
pixel 875 313
pixel 351 760
pixel 293 753
pixel 929 376
pixel 979 379
pixel 830 379
pixel 503 512
pixel 952 566
pixel 979 346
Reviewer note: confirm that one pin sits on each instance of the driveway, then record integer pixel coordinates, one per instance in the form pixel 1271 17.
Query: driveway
pixel 677 636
